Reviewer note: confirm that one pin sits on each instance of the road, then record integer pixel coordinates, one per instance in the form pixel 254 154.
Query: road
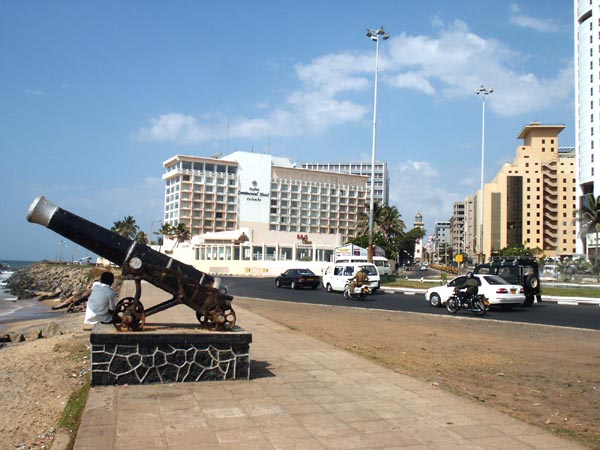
pixel 545 313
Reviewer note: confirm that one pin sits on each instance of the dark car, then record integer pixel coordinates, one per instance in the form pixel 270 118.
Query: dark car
pixel 296 278
pixel 516 270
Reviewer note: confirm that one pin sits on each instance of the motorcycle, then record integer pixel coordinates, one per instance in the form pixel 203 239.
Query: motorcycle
pixel 477 304
pixel 359 292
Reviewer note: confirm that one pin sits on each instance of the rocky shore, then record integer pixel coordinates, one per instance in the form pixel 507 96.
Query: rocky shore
pixel 62 286
pixel 50 280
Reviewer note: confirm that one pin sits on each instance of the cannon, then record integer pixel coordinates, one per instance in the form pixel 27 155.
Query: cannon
pixel 194 288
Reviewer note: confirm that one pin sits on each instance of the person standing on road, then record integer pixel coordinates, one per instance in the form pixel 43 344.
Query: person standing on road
pixel 101 302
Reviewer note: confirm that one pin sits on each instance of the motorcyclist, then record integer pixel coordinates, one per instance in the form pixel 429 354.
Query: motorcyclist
pixel 359 279
pixel 468 289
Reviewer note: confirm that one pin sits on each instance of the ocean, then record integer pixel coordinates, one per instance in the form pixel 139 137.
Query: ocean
pixel 12 310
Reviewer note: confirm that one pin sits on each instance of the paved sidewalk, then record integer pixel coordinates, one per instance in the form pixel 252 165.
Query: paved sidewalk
pixel 303 394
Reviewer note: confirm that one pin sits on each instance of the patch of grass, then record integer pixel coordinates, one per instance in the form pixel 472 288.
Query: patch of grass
pixel 591 440
pixel 571 291
pixel 416 284
pixel 71 416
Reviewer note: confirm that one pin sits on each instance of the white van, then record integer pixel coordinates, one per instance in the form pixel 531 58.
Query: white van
pixel 336 276
pixel 383 265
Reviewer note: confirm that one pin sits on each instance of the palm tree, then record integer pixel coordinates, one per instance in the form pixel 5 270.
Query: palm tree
pixel 387 224
pixel 165 230
pixel 126 227
pixel 589 218
pixel 180 233
pixel 141 237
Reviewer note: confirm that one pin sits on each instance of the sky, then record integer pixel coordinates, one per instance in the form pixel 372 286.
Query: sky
pixel 95 96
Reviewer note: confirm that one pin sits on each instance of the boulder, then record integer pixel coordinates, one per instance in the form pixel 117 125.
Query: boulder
pixel 16 337
pixel 32 335
pixel 52 329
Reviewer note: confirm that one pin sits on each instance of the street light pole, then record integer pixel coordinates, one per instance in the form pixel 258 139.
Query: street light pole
pixel 374 35
pixel 483 91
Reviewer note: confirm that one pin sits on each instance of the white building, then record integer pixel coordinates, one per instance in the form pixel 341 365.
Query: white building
pixel 256 213
pixel 381 193
pixel 419 247
pixel 587 96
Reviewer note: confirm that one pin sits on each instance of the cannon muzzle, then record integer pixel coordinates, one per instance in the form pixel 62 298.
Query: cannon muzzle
pixel 198 290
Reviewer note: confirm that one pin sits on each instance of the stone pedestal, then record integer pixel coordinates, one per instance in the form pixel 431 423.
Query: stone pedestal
pixel 168 354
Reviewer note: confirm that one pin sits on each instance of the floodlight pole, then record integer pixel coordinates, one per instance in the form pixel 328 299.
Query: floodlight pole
pixel 484 92
pixel 374 35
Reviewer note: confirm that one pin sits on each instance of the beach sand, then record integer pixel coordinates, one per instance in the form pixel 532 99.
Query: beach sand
pixel 37 377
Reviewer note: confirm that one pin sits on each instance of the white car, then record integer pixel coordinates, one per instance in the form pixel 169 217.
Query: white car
pixel 496 289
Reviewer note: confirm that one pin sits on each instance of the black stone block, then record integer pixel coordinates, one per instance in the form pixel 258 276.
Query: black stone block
pixel 165 355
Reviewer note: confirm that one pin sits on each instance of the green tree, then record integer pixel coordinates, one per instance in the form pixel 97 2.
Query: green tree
pixel 388 228
pixel 126 227
pixel 142 238
pixel 516 250
pixel 166 230
pixel 180 233
pixel 589 219
pixel 406 243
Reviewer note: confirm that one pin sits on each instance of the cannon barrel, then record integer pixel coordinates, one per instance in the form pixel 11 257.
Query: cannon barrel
pixel 121 250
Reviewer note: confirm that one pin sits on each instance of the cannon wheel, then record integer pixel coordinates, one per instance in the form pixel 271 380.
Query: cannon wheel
pixel 217 319
pixel 129 315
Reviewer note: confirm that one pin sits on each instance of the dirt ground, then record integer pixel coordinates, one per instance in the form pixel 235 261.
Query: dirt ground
pixel 547 376
pixel 36 380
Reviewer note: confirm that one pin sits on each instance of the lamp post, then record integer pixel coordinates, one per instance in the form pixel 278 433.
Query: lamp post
pixel 374 35
pixel 483 91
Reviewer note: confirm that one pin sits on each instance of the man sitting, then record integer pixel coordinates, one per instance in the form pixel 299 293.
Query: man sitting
pixel 469 288
pixel 101 302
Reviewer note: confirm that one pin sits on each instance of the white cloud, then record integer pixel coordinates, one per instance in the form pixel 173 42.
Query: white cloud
pixel 449 65
pixel 175 127
pixel 35 92
pixel 457 61
pixel 533 23
pixel 417 191
pixel 412 80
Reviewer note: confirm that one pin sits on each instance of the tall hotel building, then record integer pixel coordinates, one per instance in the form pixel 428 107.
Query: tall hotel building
pixel 284 212
pixel 381 192
pixel 531 201
pixel 587 99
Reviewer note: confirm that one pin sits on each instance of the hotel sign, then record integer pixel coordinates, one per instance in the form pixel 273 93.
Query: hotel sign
pixel 253 193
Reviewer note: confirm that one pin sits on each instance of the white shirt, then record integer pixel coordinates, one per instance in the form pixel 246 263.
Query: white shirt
pixel 100 301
